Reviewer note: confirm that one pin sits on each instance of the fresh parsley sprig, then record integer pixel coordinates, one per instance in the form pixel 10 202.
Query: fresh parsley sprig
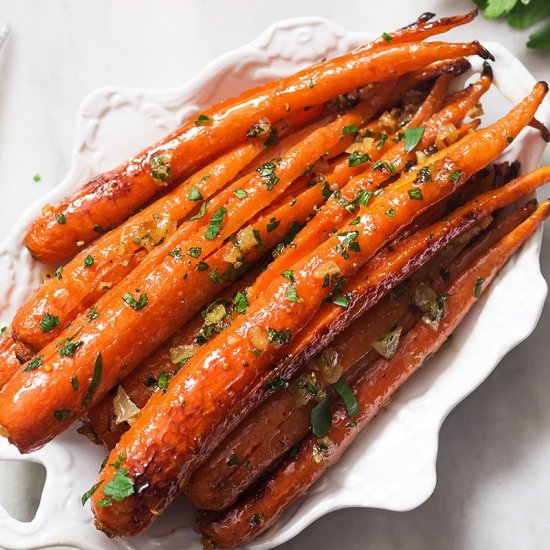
pixel 522 14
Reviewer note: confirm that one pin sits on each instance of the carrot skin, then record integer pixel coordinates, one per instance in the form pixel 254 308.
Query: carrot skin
pixel 217 397
pixel 8 360
pixel 215 485
pixel 110 198
pixel 292 479
pixel 333 215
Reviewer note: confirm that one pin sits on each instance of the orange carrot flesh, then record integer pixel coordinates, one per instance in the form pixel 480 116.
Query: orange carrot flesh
pixel 221 382
pixel 290 480
pixel 111 197
pixel 76 286
pixel 216 484
pixel 164 280
pixel 338 209
pixel 8 360
pixel 272 228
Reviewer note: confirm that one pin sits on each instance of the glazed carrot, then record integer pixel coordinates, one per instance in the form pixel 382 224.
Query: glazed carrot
pixel 8 361
pixel 99 422
pixel 258 511
pixel 110 198
pixel 167 286
pixel 272 227
pixel 78 285
pixel 225 379
pixel 217 483
pixel 338 209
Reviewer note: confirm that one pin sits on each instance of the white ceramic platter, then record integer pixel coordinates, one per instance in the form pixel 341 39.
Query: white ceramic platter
pixel 392 464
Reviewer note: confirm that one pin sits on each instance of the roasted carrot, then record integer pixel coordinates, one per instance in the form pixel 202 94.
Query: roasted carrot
pixel 99 423
pixel 219 481
pixel 110 198
pixel 259 510
pixel 337 209
pixel 176 273
pixel 8 360
pixel 272 227
pixel 225 379
pixel 79 284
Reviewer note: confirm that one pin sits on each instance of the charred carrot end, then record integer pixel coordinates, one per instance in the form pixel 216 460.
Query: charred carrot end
pixel 257 511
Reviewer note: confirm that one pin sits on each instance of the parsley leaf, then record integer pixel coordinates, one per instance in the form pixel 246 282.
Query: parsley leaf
pixel 321 417
pixel 215 223
pixel 413 137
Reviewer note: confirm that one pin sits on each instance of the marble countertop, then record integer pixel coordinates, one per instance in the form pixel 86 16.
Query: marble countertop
pixel 492 468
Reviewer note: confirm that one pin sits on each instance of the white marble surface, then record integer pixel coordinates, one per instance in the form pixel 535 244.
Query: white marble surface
pixel 493 485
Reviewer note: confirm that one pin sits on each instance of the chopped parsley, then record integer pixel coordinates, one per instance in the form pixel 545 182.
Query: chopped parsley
pixel 194 194
pixel 49 322
pixel 58 273
pixel 138 304
pixel 233 460
pixel 215 223
pixel 267 171
pixel 36 178
pixel 88 261
pixel 240 193
pixel 413 137
pixel 455 176
pixel 92 313
pixel 350 129
pixel 272 224
pixel 63 414
pixel 34 364
pixel 61 219
pixel 240 302
pixel 195 251
pixel 94 383
pixel 202 120
pixel 160 167
pixel 346 394
pixel 390 212
pixel 275 383
pixel 356 158
pixel 292 293
pixel 321 417
pixel 386 37
pixel 415 194
pixel 68 349
pixel 423 175
pixel 279 336
pixel 176 253
pixel 478 286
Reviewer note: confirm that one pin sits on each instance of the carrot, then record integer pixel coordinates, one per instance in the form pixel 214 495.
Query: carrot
pixel 225 379
pixel 161 286
pixel 111 197
pixel 77 285
pixel 258 511
pixel 8 360
pixel 216 484
pixel 99 423
pixel 338 208
pixel 272 227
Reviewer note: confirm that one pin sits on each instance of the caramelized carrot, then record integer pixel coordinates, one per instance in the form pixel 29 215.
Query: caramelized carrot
pixel 340 208
pixel 216 483
pixel 111 197
pixel 272 227
pixel 8 360
pixel 225 379
pixel 79 284
pixel 76 285
pixel 264 505
pixel 164 286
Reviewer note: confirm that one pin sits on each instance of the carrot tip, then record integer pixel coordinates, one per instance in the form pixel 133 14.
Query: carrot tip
pixel 487 70
pixel 544 84
pixel 483 52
